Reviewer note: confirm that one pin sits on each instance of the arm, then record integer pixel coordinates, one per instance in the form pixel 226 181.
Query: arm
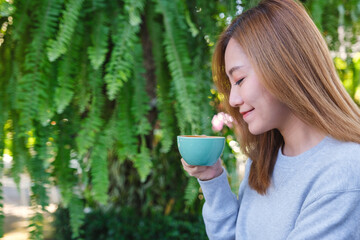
pixel 332 216
pixel 221 205
pixel 220 209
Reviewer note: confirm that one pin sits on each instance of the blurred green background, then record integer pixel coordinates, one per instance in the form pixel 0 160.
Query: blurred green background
pixel 93 94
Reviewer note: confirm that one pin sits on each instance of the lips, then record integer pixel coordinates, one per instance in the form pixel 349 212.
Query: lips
pixel 245 113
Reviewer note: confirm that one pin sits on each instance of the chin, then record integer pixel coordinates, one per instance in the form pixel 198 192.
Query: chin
pixel 257 131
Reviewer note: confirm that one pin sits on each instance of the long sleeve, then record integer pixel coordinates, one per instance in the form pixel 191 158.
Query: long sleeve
pixel 220 209
pixel 332 216
pixel 315 195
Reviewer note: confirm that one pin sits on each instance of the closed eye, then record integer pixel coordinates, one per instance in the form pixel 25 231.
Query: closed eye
pixel 238 82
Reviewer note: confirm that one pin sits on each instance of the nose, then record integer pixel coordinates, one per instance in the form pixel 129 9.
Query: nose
pixel 235 100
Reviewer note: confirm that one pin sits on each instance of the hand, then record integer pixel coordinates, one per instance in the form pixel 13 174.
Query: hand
pixel 203 173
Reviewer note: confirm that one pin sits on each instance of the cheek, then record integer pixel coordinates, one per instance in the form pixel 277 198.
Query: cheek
pixel 273 110
pixel 278 113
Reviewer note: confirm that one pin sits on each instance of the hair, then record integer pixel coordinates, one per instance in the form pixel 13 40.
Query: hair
pixel 293 62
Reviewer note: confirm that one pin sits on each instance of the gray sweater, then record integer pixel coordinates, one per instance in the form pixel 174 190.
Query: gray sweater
pixel 315 196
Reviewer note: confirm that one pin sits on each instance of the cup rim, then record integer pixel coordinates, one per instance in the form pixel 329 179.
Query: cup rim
pixel 200 136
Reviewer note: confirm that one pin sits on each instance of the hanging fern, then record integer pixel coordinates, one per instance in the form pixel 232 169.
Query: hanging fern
pixel 134 9
pixel 191 192
pixel 180 65
pixel 77 215
pixel 142 161
pixel 204 90
pixel 21 18
pixel 94 5
pixel 19 149
pixel 37 168
pixel 63 171
pixel 99 168
pixel 91 125
pixel 67 70
pixel 90 128
pixel 65 92
pixel 141 101
pixel 36 225
pixel 39 181
pixel 126 142
pixel 164 102
pixel 33 88
pixel 82 91
pixel 59 46
pixel 99 39
pixel 4 96
pixel 140 109
pixel 118 70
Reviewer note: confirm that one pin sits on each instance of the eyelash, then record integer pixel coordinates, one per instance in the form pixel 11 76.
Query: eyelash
pixel 238 82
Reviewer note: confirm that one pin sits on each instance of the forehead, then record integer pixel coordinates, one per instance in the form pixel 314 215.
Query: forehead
pixel 234 56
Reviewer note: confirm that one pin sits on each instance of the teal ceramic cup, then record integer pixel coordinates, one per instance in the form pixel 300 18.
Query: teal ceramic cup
pixel 200 150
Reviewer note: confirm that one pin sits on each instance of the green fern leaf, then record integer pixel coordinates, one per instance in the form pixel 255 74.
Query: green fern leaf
pixel 45 108
pixel 141 101
pixel 164 101
pixel 166 121
pixel 82 93
pixel 99 168
pixel 180 65
pixel 135 9
pixel 33 97
pixel 191 192
pixel 37 167
pixel 94 5
pixel 20 154
pixel 62 170
pixel 93 123
pixel 125 129
pixel 70 16
pixel 91 127
pixel 77 215
pixel 36 225
pixel 202 78
pixel 118 70
pixel 39 180
pixel 142 161
pixel 97 52
pixel 124 38
pixel 63 95
pixel 67 70
pixel 21 18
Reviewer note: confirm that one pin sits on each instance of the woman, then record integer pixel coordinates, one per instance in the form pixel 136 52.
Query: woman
pixel 295 122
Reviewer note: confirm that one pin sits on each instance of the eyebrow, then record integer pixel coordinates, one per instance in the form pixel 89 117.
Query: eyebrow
pixel 234 69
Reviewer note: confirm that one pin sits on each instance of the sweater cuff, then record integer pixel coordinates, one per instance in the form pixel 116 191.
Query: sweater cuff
pixel 217 188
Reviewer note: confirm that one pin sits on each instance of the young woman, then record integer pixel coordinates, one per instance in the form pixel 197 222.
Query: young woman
pixel 295 122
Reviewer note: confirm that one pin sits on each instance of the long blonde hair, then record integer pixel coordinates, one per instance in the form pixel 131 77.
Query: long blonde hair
pixel 293 62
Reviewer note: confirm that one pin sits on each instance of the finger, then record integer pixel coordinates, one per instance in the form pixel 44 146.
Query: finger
pixel 185 164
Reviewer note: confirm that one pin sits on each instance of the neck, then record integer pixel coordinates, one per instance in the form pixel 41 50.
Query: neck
pixel 299 137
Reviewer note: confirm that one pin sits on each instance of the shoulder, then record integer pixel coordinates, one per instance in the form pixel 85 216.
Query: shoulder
pixel 344 149
pixel 341 156
pixel 337 167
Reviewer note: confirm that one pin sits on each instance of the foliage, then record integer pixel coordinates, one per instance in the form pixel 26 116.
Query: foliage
pixel 125 224
pixel 94 93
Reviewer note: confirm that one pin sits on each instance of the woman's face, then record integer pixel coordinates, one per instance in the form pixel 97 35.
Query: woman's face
pixel 259 109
